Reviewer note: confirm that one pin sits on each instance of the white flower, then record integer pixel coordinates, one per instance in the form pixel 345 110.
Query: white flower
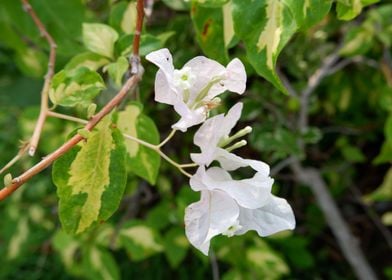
pixel 193 89
pixel 233 207
pixel 213 136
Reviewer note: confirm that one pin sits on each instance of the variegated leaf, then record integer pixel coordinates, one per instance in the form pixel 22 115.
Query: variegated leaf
pixel 91 179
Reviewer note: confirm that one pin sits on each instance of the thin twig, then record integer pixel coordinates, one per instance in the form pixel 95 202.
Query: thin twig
pixel 16 158
pixel 313 83
pixel 66 117
pixel 214 266
pixel 48 77
pixel 282 164
pixel 48 160
pixel 347 242
pixel 312 178
pixel 373 216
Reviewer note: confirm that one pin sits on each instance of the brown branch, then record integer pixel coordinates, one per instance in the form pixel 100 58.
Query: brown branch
pixel 48 77
pixel 48 160
pixel 348 243
pixel 135 58
pixel 18 181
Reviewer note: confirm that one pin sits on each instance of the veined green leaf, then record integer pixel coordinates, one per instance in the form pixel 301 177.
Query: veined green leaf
pixel 123 17
pixel 349 9
pixel 228 24
pixel 139 240
pixel 89 60
pixel 209 27
pixel 307 13
pixel 265 26
pixel 99 38
pixel 117 70
pixel 142 161
pixel 80 86
pixel 91 180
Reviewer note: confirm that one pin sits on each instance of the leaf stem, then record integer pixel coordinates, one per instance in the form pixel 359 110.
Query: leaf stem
pixel 153 147
pixel 167 139
pixel 66 117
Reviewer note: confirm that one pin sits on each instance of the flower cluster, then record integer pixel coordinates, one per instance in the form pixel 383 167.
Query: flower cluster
pixel 227 206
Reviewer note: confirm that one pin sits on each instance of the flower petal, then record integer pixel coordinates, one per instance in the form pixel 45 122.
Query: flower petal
pixel 212 215
pixel 273 217
pixel 236 76
pixel 205 70
pixel 165 91
pixel 250 193
pixel 188 117
pixel 207 137
pixel 231 162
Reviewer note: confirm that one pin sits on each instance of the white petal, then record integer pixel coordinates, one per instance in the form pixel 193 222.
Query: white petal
pixel 231 119
pixel 205 69
pixel 236 76
pixel 275 216
pixel 163 59
pixel 230 161
pixel 165 91
pixel 207 137
pixel 212 215
pixel 250 193
pixel 188 117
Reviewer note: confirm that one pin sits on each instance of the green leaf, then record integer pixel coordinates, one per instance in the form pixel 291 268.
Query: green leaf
pixel 148 43
pixel 100 264
pixel 123 17
pixel 265 26
pixel 357 41
pixel 31 62
pixel 91 179
pixel 383 192
pixel 176 246
pixel 212 3
pixel 99 38
pixel 308 13
pixel 209 27
pixel 139 240
pixel 89 60
pixel 80 86
pixel 265 262
pixel 349 9
pixel 63 19
pixel 117 70
pixel 68 247
pixel 179 5
pixel 142 161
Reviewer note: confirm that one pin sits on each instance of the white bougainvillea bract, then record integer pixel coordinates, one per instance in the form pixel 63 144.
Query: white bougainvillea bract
pixel 227 206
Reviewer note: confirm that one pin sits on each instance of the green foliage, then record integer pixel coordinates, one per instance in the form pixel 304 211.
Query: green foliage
pixel 90 190
pixel 118 213
pixel 141 160
pixel 79 87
